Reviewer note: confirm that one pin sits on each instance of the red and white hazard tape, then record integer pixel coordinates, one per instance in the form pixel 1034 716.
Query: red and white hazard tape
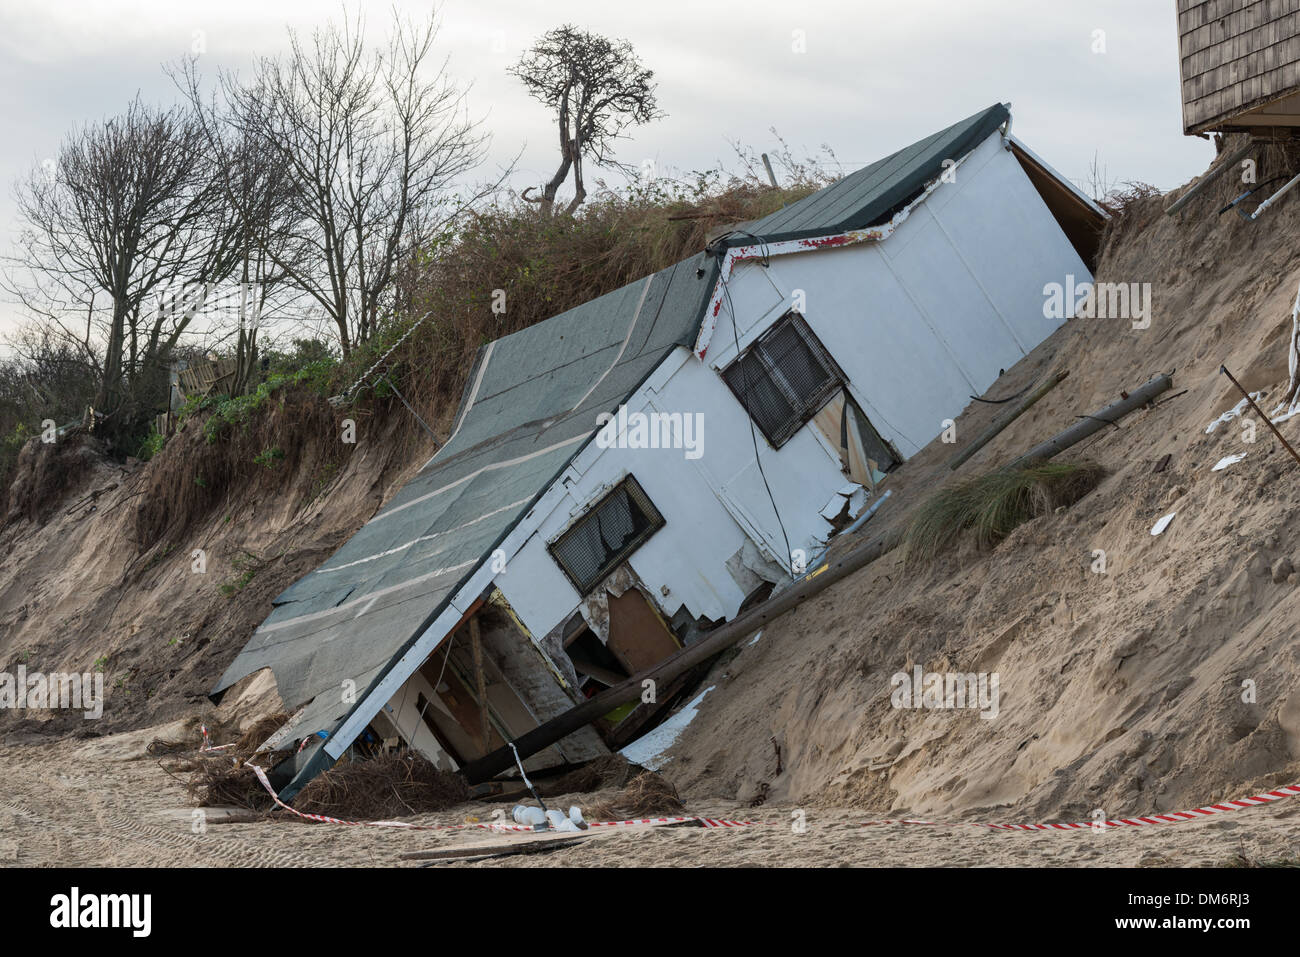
pixel 325 819
pixel 703 822
pixel 716 822
pixel 207 744
pixel 1174 817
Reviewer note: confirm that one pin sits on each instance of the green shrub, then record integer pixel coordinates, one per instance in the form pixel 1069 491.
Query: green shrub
pixel 152 445
pixel 269 458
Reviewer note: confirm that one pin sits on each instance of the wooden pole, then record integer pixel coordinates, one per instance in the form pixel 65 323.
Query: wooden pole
pixel 1228 164
pixel 998 425
pixel 721 638
pixel 1095 422
pixel 476 644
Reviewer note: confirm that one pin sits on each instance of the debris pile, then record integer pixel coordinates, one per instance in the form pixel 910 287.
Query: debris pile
pixel 386 786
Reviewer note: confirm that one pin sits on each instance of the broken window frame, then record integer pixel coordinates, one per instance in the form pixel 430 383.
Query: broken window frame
pixel 803 409
pixel 641 501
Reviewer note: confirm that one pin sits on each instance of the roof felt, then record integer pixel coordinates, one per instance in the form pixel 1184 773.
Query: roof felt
pixel 871 195
pixel 530 404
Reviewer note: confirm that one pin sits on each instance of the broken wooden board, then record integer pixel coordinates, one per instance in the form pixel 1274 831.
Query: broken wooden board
pixel 531 844
pixel 213 815
pixel 511 843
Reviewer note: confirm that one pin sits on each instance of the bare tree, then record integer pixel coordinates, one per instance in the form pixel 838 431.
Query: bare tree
pixel 372 144
pixel 597 88
pixel 258 186
pixel 121 236
pixel 45 377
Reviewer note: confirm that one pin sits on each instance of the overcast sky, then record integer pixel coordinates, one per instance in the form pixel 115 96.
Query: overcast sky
pixel 863 76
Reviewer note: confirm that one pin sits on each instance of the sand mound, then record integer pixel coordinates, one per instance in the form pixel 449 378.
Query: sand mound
pixel 46 472
pixel 158 581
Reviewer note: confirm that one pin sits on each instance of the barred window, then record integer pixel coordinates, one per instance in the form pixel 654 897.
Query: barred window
pixel 783 378
pixel 616 526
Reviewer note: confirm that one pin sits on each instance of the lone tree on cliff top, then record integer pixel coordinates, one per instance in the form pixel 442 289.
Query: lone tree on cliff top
pixel 598 88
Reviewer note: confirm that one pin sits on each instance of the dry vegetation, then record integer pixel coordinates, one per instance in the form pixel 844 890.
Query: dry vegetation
pixel 545 266
pixel 390 785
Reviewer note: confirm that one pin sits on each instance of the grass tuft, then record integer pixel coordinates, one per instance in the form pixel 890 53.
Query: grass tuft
pixel 993 505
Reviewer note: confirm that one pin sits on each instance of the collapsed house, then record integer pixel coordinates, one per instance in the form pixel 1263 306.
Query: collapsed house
pixel 627 475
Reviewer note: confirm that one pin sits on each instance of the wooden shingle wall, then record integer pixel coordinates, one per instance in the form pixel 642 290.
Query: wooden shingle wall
pixel 1236 56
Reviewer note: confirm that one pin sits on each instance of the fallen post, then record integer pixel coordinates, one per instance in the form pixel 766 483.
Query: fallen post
pixel 999 424
pixel 718 640
pixel 476 644
pixel 532 844
pixel 1091 424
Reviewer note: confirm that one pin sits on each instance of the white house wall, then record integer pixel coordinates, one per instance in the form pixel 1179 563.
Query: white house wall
pixel 928 317
pixel 918 323
pixel 689 555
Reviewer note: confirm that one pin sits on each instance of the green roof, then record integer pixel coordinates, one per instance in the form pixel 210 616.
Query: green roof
pixel 874 193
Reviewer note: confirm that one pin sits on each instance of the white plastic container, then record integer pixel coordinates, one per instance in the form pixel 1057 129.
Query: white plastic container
pixel 531 816
pixel 555 818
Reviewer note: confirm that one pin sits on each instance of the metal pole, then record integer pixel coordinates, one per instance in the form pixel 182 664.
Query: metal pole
pixel 1209 178
pixel 1274 198
pixel 1267 420
pixel 436 445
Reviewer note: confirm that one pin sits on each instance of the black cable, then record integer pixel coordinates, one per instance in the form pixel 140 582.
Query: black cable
pixel 753 432
pixel 1252 192
pixel 1008 398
